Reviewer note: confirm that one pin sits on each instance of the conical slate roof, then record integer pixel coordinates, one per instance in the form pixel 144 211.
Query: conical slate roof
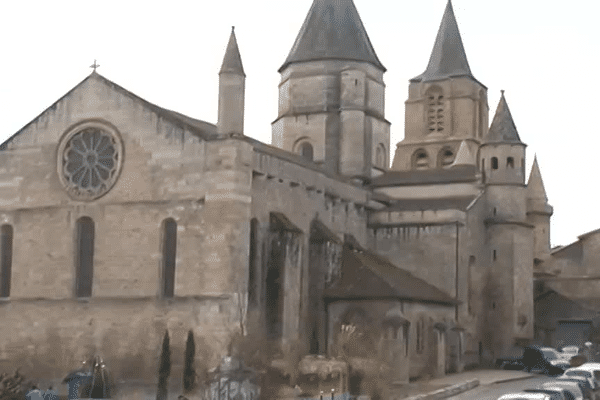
pixel 503 127
pixel 232 62
pixel 535 185
pixel 332 30
pixel 448 58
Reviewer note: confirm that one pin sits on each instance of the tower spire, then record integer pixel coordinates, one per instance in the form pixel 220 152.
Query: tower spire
pixel 232 86
pixel 232 62
pixel 332 30
pixel 535 184
pixel 448 58
pixel 503 127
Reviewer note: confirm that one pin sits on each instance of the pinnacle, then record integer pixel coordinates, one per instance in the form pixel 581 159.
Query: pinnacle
pixel 463 156
pixel 232 62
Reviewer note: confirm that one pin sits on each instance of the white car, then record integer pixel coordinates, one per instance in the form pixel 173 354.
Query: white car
pixel 593 368
pixel 586 373
pixel 568 352
pixel 554 393
pixel 524 396
pixel 571 387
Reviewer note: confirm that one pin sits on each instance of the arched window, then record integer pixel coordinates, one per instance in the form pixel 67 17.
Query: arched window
pixel 169 254
pixel 85 257
pixel 510 162
pixel 306 151
pixel 494 162
pixel 445 157
pixel 6 238
pixel 435 110
pixel 420 159
pixel 380 158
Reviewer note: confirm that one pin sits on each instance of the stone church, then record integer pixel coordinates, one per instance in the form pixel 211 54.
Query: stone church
pixel 121 219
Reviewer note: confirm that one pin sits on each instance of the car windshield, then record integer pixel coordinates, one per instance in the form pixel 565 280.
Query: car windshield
pixel 585 374
pixel 549 355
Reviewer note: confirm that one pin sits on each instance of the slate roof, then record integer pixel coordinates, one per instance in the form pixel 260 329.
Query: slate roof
pixel 202 129
pixel 449 203
pixel 503 129
pixel 367 275
pixel 232 61
pixel 456 174
pixel 332 30
pixel 535 184
pixel 448 57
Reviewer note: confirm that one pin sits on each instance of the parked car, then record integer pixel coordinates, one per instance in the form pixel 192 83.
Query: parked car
pixel 571 387
pixel 568 352
pixel 594 368
pixel 524 396
pixel 553 356
pixel 586 372
pixel 584 384
pixel 534 360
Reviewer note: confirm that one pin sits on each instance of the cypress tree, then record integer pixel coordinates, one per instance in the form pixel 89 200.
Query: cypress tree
pixel 164 368
pixel 189 371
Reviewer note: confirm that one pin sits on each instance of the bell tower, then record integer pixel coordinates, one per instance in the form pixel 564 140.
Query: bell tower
pixel 332 94
pixel 446 105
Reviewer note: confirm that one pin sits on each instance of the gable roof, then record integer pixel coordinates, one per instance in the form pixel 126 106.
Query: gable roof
pixel 332 30
pixel 367 275
pixel 201 129
pixel 448 57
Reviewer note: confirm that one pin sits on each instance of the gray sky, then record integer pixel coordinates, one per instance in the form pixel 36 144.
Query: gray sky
pixel 544 53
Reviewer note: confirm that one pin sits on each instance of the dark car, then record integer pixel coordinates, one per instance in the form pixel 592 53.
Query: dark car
pixel 534 359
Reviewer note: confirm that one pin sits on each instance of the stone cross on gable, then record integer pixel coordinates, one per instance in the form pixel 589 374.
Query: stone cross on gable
pixel 94 65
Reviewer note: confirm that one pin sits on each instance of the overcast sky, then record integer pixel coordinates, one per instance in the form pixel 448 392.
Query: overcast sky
pixel 544 53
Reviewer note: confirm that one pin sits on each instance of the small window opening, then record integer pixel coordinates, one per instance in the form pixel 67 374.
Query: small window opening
pixel 510 162
pixel 420 160
pixel 6 243
pixel 306 151
pixel 435 111
pixel 494 163
pixel 446 157
pixel 495 210
pixel 494 255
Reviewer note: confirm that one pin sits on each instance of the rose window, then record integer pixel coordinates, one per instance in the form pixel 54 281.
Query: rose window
pixel 90 163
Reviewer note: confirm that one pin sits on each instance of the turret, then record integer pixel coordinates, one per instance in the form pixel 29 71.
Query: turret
pixel 503 153
pixel 331 95
pixel 446 105
pixel 538 212
pixel 232 81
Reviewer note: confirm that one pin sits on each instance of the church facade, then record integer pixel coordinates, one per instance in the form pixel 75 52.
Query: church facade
pixel 121 219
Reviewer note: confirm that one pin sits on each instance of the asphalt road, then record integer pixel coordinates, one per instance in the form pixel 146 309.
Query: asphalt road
pixel 495 390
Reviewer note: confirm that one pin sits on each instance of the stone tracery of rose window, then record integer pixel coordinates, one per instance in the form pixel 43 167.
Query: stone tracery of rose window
pixel 90 162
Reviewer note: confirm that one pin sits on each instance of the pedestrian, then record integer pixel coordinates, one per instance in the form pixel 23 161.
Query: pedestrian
pixel 34 394
pixel 50 394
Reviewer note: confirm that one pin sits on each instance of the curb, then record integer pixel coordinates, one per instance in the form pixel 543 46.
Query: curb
pixel 447 391
pixel 521 378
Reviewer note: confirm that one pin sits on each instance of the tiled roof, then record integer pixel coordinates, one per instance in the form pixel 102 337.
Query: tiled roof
pixel 367 275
